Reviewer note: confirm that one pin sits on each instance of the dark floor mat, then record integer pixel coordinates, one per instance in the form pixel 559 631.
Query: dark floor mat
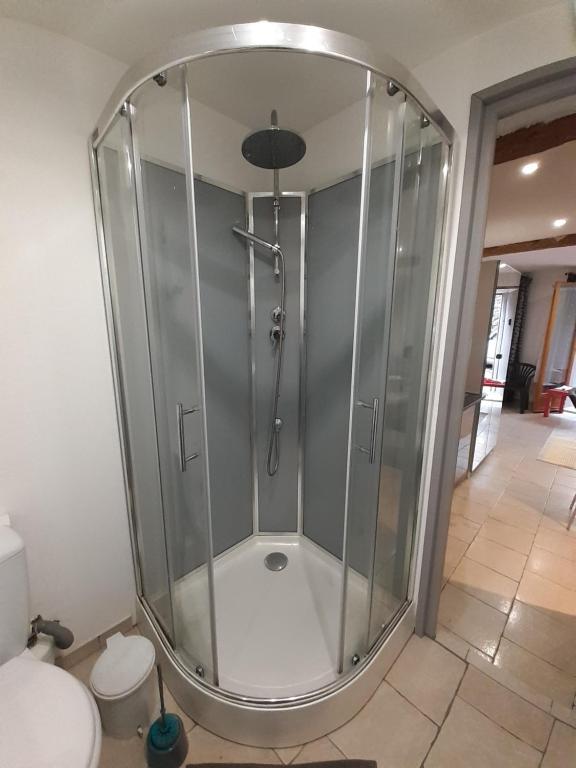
pixel 324 764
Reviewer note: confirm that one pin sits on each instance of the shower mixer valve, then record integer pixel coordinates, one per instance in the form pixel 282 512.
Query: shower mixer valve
pixel 276 314
pixel 275 334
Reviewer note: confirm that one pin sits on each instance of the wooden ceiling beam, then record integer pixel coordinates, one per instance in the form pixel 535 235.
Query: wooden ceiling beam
pixel 531 245
pixel 535 138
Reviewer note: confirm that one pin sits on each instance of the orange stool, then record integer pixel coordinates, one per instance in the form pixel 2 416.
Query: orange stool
pixel 553 399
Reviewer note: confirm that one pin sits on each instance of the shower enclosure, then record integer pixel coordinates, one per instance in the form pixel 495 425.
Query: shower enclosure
pixel 270 209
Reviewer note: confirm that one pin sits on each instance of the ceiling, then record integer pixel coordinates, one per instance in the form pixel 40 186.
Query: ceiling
pixel 522 207
pixel 305 90
pixel 411 30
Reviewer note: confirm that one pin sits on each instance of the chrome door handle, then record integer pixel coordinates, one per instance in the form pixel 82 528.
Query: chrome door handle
pixel 181 412
pixel 374 406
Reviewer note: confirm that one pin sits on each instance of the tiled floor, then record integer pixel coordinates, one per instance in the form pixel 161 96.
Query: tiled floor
pixel 510 566
pixel 497 688
pixel 433 710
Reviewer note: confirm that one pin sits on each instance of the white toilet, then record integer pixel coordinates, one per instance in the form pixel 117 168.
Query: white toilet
pixel 48 719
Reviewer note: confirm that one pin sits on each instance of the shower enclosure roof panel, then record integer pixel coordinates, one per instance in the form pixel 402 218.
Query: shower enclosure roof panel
pixel 265 35
pixel 239 91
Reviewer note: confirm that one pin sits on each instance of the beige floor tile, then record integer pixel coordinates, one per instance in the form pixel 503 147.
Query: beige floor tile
pixel 517 515
pixel 123 753
pixel 557 522
pixel 559 499
pixel 552 567
pixel 543 635
pixel 475 654
pixel 538 472
pixel 463 529
pixel 505 708
pixel 525 493
pixel 546 595
pixel 538 674
pixel 502 559
pixel 566 477
pixel 289 754
pixel 565 714
pixel 452 642
pixel 562 544
pixel 469 739
pixel 454 552
pixel 83 670
pixel 509 681
pixel 483 490
pixel 469 509
pixel 485 584
pixel 319 751
pixel 473 621
pixel 495 470
pixel 389 730
pixel 205 747
pixel 508 535
pixel 428 676
pixel 561 752
pixel 507 453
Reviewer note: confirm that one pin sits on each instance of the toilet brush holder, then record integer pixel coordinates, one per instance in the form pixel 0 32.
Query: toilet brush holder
pixel 167 743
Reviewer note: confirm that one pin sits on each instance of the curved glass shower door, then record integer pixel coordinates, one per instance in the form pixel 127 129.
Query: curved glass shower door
pixel 374 280
pixel 166 221
pixel 411 300
pixel 396 290
pixel 273 255
pixel 131 359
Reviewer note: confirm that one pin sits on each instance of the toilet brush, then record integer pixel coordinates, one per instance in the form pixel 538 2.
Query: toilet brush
pixel 166 745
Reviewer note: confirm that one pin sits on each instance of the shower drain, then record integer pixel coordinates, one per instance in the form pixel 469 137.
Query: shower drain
pixel 276 561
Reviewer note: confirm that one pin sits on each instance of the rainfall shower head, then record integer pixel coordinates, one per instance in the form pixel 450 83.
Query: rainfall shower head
pixel 274 147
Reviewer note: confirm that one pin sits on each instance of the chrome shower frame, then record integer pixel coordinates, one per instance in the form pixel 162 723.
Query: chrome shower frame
pixel 294 720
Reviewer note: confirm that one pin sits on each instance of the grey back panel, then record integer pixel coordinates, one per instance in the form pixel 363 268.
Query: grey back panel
pixel 223 265
pixel 331 264
pixel 278 495
pixel 172 333
pixel 224 296
pixel 331 258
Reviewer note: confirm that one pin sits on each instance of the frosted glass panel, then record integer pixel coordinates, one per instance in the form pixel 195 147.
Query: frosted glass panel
pixel 406 377
pixel 127 293
pixel 171 307
pixel 372 320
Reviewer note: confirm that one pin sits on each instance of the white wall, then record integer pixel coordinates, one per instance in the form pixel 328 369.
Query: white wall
pixel 450 80
pixel 539 299
pixel 509 278
pixel 59 456
pixel 216 138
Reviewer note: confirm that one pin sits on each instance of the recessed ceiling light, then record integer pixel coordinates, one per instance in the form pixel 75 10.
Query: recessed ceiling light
pixel 559 223
pixel 529 168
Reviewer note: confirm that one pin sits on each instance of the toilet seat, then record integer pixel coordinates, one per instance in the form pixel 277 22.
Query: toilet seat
pixel 47 718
